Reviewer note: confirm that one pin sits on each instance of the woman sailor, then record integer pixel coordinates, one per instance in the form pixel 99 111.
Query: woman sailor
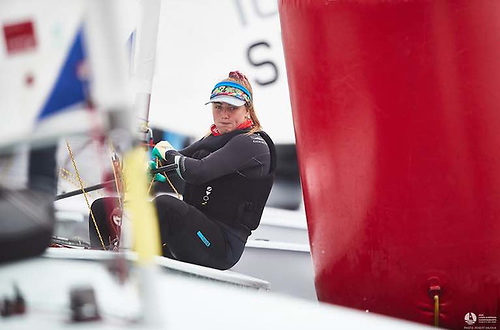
pixel 228 176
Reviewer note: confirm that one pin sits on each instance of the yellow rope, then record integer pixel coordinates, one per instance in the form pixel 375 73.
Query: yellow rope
pixel 85 194
pixel 67 178
pixel 151 185
pixel 65 174
pixel 168 180
pixel 172 186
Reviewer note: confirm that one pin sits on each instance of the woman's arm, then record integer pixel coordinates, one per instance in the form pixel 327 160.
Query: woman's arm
pixel 246 154
pixel 190 149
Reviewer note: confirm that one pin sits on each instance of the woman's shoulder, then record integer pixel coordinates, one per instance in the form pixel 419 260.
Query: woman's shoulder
pixel 254 141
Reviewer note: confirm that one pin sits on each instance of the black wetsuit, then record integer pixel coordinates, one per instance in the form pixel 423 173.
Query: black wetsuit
pixel 228 180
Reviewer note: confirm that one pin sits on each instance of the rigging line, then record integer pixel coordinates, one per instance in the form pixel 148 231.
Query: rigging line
pixel 87 189
pixel 64 171
pixel 164 170
pixel 65 174
pixel 78 150
pixel 169 182
pixel 8 162
pixel 85 194
pixel 115 165
pixel 68 179
pixel 108 183
pixel 117 168
pixel 151 184
pixel 172 186
pixel 120 190
pixel 68 176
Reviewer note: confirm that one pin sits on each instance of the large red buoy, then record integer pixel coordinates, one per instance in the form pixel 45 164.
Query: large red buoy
pixel 396 108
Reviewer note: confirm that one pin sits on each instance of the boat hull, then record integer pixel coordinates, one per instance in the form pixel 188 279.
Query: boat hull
pixel 397 123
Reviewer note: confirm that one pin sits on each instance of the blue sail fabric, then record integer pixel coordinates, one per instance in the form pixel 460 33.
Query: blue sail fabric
pixel 72 83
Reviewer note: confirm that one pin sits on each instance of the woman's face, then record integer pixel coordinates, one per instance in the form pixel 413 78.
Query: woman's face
pixel 228 117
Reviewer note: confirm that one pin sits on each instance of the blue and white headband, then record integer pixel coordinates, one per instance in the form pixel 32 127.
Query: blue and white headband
pixel 230 92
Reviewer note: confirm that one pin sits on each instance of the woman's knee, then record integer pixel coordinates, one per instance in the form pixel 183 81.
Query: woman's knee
pixel 171 214
pixel 167 203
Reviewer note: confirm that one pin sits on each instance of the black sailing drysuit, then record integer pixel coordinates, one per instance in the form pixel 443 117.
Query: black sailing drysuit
pixel 228 180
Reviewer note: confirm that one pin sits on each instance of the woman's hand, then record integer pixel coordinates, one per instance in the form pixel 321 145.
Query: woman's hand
pixel 160 150
pixel 157 177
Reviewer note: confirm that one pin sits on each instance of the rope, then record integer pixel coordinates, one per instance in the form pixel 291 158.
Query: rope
pixel 172 186
pixel 120 189
pixel 151 185
pixel 7 166
pixel 67 175
pixel 168 180
pixel 114 164
pixel 85 194
pixel 149 144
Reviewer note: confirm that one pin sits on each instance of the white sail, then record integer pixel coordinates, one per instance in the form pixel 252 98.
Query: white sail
pixel 50 75
pixel 199 43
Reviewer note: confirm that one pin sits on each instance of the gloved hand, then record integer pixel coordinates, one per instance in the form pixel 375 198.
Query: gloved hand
pixel 160 150
pixel 158 177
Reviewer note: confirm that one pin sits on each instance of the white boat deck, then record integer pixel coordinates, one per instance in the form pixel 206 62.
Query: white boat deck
pixel 226 276
pixel 181 301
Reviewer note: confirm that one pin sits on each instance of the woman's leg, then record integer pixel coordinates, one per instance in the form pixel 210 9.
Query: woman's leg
pixel 189 235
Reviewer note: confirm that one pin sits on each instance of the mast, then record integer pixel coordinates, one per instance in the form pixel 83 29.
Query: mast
pixel 144 60
pixel 143 215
